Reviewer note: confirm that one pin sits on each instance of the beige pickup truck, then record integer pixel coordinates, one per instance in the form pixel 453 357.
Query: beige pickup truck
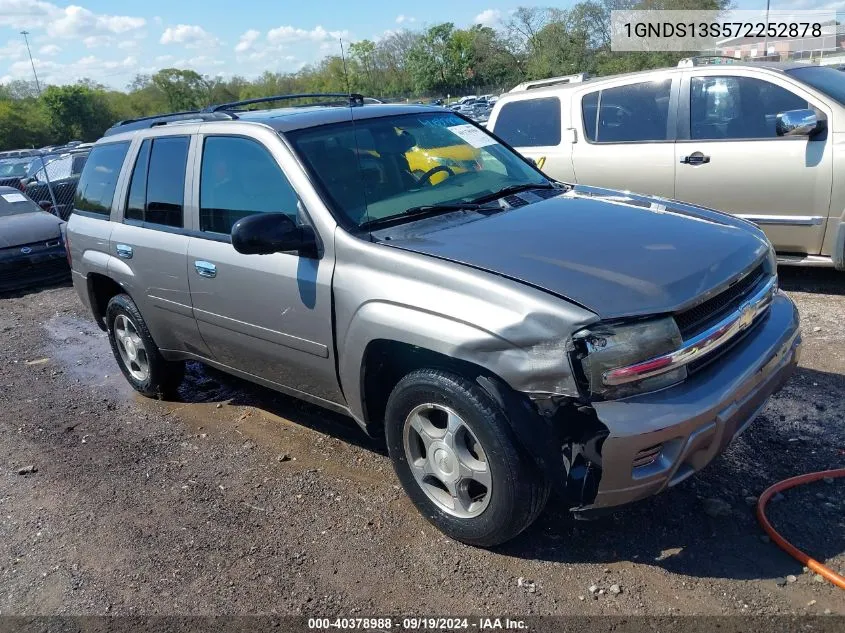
pixel 763 141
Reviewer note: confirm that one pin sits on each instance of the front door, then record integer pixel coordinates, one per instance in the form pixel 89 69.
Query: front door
pixel 733 160
pixel 266 315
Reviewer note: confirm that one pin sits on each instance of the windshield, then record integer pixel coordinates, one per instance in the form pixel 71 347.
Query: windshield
pixel 823 78
pixel 381 168
pixel 13 169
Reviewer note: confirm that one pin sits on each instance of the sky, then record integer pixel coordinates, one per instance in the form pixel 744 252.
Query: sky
pixel 110 42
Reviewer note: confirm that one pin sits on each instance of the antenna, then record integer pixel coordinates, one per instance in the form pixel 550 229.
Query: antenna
pixel 343 59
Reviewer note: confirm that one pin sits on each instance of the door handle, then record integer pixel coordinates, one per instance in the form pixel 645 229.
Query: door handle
pixel 205 269
pixel 125 251
pixel 695 159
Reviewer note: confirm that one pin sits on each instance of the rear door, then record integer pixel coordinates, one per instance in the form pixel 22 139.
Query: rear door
pixel 729 156
pixel 149 243
pixel 533 126
pixel 626 136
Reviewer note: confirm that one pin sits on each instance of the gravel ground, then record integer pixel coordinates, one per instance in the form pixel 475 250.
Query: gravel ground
pixel 238 500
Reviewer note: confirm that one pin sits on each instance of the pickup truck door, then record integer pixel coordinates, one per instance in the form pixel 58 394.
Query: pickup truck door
pixel 625 135
pixel 729 157
pixel 266 315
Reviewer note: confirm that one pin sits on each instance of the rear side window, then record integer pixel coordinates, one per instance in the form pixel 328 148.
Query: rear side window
pixel 157 190
pixel 628 114
pixel 95 191
pixel 530 122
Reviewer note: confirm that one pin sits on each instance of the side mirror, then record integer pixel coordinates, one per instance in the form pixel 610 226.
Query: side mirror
pixel 799 123
pixel 267 233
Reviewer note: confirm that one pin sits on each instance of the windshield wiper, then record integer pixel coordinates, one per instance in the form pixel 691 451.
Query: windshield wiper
pixel 504 191
pixel 423 211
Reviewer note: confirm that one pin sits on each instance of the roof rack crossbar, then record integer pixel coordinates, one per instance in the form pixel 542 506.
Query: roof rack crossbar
pixel 353 100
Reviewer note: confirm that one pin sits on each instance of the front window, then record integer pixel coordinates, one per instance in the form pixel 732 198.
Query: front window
pixel 381 168
pixel 727 108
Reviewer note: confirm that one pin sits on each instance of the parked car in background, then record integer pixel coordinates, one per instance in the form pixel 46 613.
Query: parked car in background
pixel 507 334
pixel 760 140
pixel 13 171
pixel 52 180
pixel 31 243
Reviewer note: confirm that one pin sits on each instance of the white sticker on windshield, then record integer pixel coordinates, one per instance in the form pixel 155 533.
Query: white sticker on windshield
pixel 472 135
pixel 14 197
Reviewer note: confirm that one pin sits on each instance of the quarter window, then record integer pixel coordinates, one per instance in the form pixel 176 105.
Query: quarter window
pixel 239 178
pixel 95 191
pixel 530 122
pixel 628 114
pixel 737 107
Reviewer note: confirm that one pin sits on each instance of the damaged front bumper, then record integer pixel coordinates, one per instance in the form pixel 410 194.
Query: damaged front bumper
pixel 657 440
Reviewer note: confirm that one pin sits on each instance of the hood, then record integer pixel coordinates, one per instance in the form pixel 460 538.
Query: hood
pixel 613 253
pixel 26 228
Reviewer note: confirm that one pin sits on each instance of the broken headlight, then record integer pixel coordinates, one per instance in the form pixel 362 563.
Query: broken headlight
pixel 604 347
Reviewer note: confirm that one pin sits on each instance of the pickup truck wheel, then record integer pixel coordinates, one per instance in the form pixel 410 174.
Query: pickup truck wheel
pixel 136 353
pixel 454 453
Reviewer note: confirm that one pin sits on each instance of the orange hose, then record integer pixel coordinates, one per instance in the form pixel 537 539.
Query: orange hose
pixel 781 542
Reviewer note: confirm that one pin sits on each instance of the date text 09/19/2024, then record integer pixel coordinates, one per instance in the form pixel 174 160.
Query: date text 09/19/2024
pixel 416 623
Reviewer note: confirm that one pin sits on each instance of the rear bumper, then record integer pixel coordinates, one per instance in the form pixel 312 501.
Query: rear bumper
pixel 675 432
pixel 25 270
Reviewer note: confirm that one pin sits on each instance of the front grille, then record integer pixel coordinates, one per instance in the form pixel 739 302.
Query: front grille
pixel 700 317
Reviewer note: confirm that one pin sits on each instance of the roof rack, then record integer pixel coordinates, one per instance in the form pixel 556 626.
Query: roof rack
pixel 353 100
pixel 155 120
pixel 552 81
pixel 708 60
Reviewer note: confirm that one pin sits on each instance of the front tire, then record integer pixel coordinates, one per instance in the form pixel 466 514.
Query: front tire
pixel 137 354
pixel 456 457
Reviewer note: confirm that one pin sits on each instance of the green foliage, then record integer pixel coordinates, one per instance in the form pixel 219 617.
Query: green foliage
pixel 440 60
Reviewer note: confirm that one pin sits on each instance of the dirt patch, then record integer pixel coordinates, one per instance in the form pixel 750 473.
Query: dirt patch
pixel 239 500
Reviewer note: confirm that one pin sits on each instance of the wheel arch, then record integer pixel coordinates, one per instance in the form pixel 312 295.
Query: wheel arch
pixel 101 288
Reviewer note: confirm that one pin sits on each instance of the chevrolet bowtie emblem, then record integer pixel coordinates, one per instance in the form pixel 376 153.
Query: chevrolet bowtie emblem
pixel 746 317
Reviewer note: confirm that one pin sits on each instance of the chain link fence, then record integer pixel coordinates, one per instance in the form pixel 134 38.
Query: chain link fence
pixel 51 181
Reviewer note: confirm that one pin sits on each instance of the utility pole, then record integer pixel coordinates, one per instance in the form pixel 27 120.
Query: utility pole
pixel 35 74
pixel 766 40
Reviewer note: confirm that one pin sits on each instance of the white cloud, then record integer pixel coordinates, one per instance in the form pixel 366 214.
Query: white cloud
pixel 49 49
pixel 76 21
pixel 71 22
pixel 247 41
pixel 189 35
pixel 402 19
pixel 14 49
pixel 290 34
pixel 488 17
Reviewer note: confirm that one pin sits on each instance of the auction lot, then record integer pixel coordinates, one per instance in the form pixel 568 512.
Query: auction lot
pixel 239 500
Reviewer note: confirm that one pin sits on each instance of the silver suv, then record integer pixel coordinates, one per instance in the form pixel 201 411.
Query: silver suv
pixel 760 140
pixel 506 333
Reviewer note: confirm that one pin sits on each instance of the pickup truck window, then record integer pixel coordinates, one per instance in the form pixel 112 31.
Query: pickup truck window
pixel 530 122
pixel 95 191
pixel 240 177
pixel 737 107
pixel 628 114
pixel 375 169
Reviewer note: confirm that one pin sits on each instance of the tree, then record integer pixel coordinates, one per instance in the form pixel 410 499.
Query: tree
pixel 76 112
pixel 182 89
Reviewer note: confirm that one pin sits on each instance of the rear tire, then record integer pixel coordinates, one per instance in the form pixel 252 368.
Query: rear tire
pixel 456 457
pixel 137 354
